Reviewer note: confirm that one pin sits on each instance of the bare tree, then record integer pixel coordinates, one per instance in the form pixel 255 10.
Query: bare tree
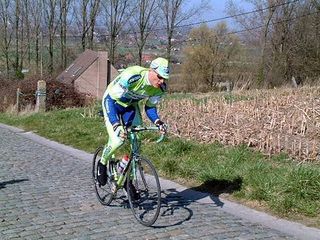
pixel 17 35
pixel 175 13
pixel 86 21
pixel 26 39
pixel 304 42
pixel 257 25
pixel 117 13
pixel 64 7
pixel 22 34
pixel 286 32
pixel 94 10
pixel 144 21
pixel 281 43
pixel 6 30
pixel 264 40
pixel 26 34
pixel 36 18
pixel 52 17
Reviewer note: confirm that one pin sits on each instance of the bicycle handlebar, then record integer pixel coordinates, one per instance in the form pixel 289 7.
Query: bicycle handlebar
pixel 140 129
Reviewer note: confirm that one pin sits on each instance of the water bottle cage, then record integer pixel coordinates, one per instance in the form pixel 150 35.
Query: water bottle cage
pixel 122 173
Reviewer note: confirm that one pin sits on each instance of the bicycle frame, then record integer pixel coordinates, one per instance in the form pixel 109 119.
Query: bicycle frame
pixel 142 188
pixel 135 151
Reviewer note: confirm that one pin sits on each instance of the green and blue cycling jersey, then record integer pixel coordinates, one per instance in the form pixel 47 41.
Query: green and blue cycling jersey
pixel 130 87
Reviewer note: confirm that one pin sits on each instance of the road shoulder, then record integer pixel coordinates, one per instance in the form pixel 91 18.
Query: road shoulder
pixel 296 229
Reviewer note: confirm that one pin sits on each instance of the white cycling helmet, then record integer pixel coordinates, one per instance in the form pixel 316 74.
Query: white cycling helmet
pixel 161 66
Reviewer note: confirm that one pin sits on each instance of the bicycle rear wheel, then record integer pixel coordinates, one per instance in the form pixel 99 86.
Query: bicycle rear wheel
pixel 146 204
pixel 104 193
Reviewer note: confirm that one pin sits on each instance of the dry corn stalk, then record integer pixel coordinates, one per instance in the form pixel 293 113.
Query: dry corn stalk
pixel 272 121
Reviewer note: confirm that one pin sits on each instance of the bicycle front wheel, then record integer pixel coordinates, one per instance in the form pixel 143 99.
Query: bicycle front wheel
pixel 144 191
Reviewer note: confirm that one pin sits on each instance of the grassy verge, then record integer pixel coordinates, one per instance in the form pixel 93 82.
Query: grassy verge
pixel 277 184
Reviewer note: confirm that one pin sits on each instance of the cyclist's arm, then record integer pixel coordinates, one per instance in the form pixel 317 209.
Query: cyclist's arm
pixel 151 109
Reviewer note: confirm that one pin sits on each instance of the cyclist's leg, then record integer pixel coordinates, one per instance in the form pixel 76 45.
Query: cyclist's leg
pixel 114 140
pixel 128 116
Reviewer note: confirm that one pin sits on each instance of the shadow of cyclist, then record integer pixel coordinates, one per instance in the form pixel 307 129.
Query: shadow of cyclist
pixel 215 188
pixel 176 205
pixel 4 184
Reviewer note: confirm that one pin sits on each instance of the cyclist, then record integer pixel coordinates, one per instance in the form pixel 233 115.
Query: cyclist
pixel 120 104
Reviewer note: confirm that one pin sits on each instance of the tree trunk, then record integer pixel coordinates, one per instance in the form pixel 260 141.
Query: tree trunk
pixel 169 46
pixel 84 30
pixel 93 15
pixel 112 49
pixel 37 51
pixel 50 66
pixel 4 8
pixel 263 71
pixel 17 21
pixel 117 14
pixel 63 33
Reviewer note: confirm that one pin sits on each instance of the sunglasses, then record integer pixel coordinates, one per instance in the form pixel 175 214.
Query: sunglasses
pixel 161 78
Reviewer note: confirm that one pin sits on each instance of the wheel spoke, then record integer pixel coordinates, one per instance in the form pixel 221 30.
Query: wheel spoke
pixel 146 183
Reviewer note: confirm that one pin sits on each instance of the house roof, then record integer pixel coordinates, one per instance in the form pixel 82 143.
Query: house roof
pixel 84 61
pixel 148 57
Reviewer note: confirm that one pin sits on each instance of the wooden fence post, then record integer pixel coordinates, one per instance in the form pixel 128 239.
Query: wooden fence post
pixel 17 107
pixel 41 97
pixel 294 82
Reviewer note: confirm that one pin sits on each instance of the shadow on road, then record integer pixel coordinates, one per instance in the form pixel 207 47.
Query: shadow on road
pixel 4 184
pixel 176 206
pixel 214 188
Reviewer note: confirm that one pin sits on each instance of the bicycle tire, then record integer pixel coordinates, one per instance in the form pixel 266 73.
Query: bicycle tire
pixel 146 208
pixel 103 193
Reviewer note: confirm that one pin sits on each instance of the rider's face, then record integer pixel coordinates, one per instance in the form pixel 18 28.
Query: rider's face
pixel 155 79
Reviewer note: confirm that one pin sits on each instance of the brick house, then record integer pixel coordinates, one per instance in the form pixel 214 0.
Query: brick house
pixel 147 58
pixel 89 73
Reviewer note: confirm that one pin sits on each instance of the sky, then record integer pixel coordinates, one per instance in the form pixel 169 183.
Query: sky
pixel 219 9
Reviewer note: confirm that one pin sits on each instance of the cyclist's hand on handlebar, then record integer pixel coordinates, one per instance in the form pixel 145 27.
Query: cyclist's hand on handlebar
pixel 163 128
pixel 119 130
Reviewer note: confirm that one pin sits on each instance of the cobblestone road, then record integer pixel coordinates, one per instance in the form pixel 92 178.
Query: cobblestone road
pixel 46 193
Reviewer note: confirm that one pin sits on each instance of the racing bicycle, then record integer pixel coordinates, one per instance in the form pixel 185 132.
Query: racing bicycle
pixel 139 179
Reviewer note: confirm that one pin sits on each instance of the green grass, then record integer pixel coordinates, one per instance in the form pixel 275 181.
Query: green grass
pixel 280 185
pixel 64 126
